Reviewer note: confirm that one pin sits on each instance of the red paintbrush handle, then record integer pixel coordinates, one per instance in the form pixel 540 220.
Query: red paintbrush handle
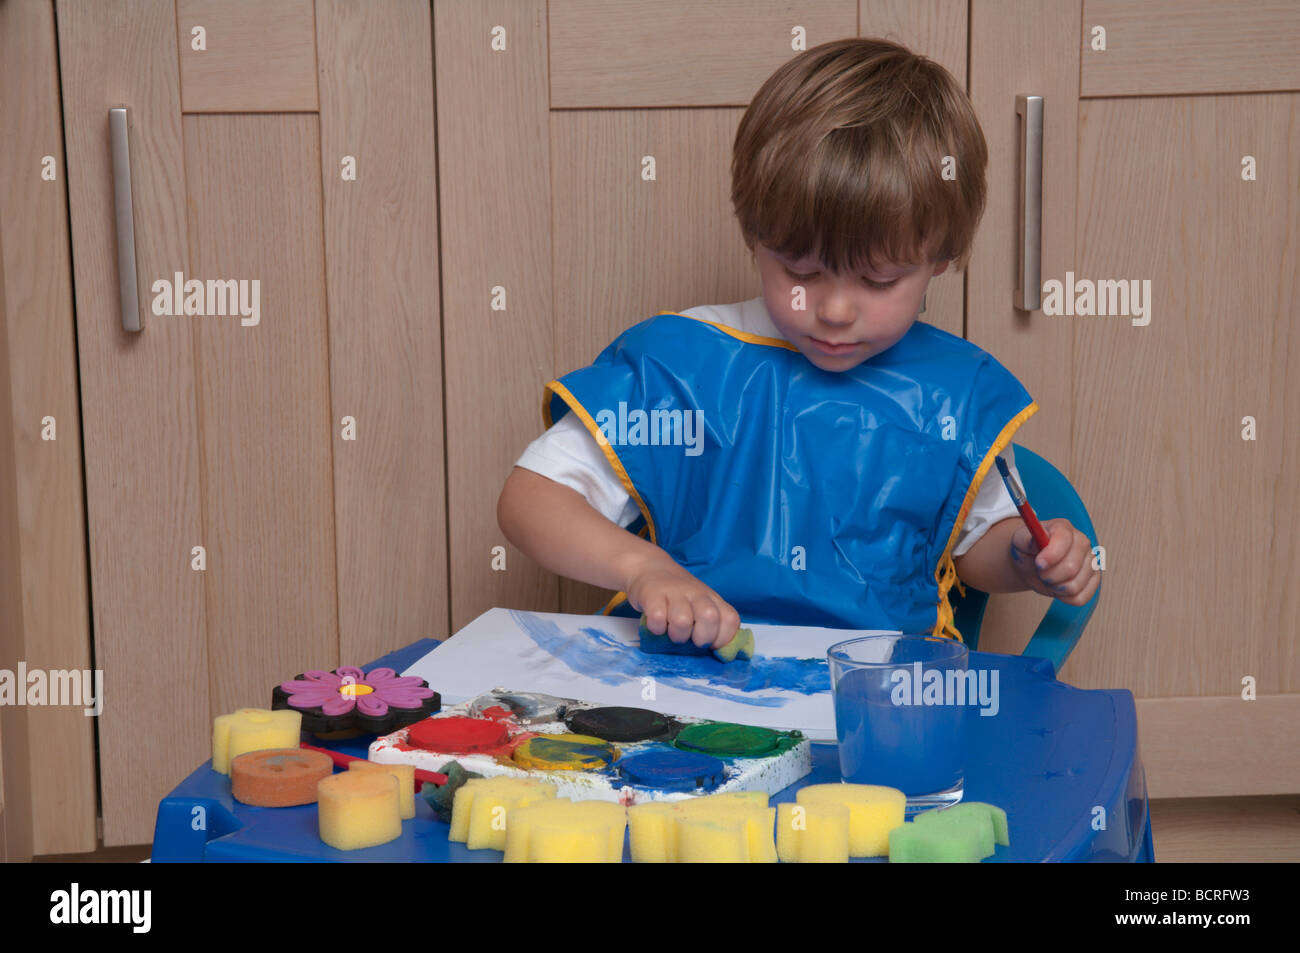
pixel 1035 528
pixel 421 777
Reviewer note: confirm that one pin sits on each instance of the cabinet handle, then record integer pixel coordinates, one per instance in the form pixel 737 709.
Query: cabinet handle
pixel 1029 258
pixel 119 121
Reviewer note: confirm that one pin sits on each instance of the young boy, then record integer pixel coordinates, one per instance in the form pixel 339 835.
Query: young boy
pixel 814 456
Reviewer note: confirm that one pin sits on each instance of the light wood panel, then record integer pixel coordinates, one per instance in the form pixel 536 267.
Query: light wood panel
pixel 381 253
pixel 494 164
pixel 15 767
pixel 260 56
pixel 268 512
pixel 138 404
pixel 1170 47
pixel 1200 591
pixel 1020 46
pixel 54 610
pixel 1203 747
pixel 610 54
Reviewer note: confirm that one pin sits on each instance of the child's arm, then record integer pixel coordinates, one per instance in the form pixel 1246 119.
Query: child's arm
pixel 1005 559
pixel 559 529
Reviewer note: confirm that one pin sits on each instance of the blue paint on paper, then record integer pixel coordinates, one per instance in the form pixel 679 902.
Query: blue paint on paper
pixel 703 674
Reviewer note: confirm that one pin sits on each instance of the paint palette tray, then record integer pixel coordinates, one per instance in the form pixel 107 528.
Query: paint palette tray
pixel 599 752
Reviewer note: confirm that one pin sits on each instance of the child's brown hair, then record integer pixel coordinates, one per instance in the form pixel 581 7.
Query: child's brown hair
pixel 840 155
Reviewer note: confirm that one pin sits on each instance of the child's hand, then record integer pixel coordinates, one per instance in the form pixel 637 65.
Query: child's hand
pixel 1063 569
pixel 672 598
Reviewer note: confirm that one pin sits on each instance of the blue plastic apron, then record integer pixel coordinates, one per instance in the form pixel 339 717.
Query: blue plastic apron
pixel 801 496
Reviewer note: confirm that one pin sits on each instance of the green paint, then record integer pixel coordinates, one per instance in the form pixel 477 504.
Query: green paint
pixel 724 739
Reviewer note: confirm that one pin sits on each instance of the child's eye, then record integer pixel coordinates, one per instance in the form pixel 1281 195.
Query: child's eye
pixel 873 284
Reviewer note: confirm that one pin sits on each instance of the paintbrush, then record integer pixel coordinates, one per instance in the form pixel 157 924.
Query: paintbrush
pixel 1022 504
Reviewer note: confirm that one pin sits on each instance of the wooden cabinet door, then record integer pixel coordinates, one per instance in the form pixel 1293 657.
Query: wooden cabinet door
pixel 1169 159
pixel 264 488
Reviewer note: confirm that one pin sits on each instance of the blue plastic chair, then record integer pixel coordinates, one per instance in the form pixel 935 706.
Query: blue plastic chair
pixel 1052 497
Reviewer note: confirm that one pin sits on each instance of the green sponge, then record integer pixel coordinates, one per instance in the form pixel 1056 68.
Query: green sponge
pixel 964 833
pixel 442 797
pixel 951 843
pixel 740 646
pixel 997 819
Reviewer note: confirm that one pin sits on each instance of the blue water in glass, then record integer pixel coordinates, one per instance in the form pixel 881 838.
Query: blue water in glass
pixel 915 748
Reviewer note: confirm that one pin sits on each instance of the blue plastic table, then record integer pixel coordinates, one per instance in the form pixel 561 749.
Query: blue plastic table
pixel 1061 761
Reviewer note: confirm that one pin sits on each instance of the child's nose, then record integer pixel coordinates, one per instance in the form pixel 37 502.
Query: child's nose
pixel 836 312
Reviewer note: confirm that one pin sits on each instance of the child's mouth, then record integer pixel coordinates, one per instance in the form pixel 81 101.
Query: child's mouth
pixel 829 348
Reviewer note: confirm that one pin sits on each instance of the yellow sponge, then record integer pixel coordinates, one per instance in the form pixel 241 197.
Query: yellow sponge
pixel 652 832
pixel 712 839
pixel 253 729
pixel 482 805
pixel 717 828
pixel 874 811
pixel 741 806
pixel 405 774
pixel 358 809
pixel 558 830
pixel 812 833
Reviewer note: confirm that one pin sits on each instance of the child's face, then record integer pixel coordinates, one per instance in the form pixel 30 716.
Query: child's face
pixel 866 313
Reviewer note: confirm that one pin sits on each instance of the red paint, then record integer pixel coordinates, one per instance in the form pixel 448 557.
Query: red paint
pixel 499 713
pixel 456 735
pixel 340 759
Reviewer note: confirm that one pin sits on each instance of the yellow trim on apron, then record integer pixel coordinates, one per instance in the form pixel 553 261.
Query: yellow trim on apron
pixel 575 405
pixel 946 572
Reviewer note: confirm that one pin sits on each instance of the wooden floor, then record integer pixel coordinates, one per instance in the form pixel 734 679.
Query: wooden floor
pixel 1259 829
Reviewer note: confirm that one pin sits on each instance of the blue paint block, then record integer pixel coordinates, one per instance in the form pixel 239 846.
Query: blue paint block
pixel 741 645
pixel 670 770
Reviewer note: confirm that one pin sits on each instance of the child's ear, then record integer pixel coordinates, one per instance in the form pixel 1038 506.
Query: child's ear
pixel 942 267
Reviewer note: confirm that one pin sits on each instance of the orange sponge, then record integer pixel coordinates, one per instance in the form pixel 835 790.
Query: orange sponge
pixel 278 777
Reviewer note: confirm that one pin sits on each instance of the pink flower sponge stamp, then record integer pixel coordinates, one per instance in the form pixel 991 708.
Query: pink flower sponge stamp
pixel 374 702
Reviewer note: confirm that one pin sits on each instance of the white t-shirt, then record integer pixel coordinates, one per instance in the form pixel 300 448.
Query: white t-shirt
pixel 568 454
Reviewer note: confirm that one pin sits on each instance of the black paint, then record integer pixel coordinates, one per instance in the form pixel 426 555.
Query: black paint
pixel 617 723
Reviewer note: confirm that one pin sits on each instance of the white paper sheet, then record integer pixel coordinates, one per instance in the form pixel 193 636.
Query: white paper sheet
pixel 597 658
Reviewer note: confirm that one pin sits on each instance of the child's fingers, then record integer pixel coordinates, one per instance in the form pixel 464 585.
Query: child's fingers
pixel 706 620
pixel 1078 595
pixel 1060 541
pixel 1036 584
pixel 656 613
pixel 728 623
pixel 680 618
pixel 1022 541
pixel 1067 570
